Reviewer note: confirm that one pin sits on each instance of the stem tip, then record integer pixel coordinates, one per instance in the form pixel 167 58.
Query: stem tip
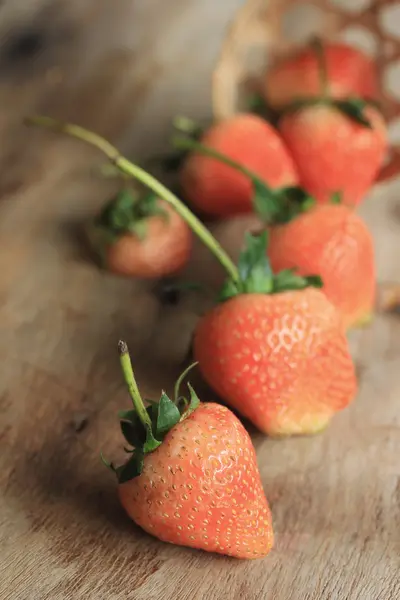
pixel 122 347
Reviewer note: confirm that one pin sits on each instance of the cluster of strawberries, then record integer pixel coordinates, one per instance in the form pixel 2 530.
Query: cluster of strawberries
pixel 303 177
pixel 274 347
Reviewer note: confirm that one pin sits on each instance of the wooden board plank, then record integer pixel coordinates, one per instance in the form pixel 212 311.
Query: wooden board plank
pixel 335 497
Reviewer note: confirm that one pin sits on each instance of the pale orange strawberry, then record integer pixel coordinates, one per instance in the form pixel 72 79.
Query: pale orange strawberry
pixel 193 479
pixel 142 237
pixel 219 190
pixel 348 73
pixel 335 153
pixel 335 242
pixel 202 489
pixel 280 358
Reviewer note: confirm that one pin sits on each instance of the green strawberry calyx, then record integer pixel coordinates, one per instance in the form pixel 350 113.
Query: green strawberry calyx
pixel 273 206
pixel 351 107
pixel 277 207
pixel 144 429
pixel 126 213
pixel 256 276
pixel 336 198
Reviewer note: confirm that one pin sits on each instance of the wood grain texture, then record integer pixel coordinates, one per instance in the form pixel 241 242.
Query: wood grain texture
pixel 335 497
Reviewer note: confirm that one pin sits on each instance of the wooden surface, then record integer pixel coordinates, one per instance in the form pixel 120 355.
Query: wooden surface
pixel 335 497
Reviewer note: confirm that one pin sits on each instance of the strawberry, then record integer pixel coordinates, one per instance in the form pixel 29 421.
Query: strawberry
pixel 192 476
pixel 244 142
pixel 275 349
pixel 140 237
pixel 333 241
pixel 337 147
pixel 349 72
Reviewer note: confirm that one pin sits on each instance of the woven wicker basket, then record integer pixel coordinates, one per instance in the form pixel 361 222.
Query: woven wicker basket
pixel 265 30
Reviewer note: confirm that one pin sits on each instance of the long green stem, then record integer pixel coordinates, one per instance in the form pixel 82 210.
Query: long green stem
pixel 136 172
pixel 132 385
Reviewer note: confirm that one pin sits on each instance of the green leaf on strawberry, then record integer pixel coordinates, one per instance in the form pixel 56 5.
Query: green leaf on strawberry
pixel 253 265
pixel 118 212
pixel 194 400
pixel 299 197
pixel 256 277
pixel 127 212
pixel 132 433
pixel 132 468
pixel 336 198
pixel 168 415
pixel 267 203
pixel 354 109
pixel 292 201
pixel 278 206
pixel 288 280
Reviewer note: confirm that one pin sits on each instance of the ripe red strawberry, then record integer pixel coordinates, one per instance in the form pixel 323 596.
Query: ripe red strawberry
pixel 140 237
pixel 333 152
pixel 349 73
pixel 192 479
pixel 331 240
pixel 219 190
pixel 279 357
